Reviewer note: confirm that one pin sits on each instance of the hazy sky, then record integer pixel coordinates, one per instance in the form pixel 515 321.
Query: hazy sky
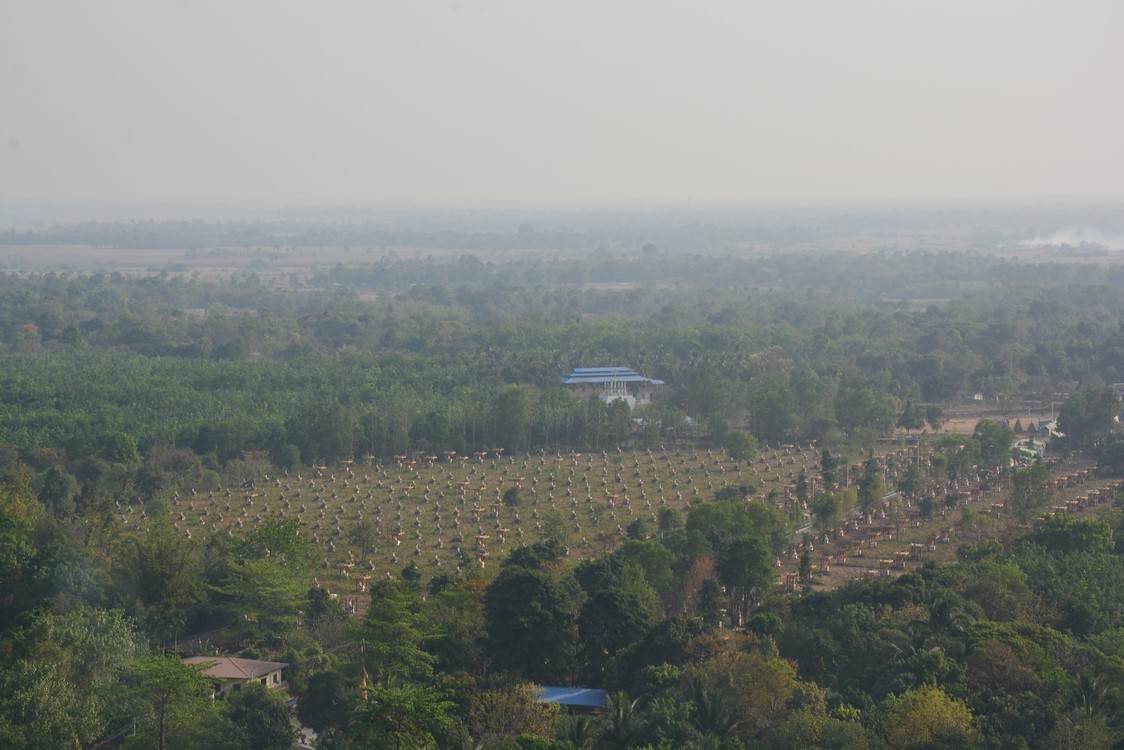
pixel 413 101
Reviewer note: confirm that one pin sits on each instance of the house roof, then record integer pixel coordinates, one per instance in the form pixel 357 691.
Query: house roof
pixel 235 668
pixel 567 696
pixel 606 375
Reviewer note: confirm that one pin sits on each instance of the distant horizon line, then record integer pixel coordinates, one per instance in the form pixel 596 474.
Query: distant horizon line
pixel 36 205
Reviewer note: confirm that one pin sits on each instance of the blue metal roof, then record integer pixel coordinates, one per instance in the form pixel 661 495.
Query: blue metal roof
pixel 566 696
pixel 606 375
pixel 603 369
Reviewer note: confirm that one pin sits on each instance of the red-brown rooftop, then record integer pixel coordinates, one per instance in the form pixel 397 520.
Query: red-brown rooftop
pixel 234 667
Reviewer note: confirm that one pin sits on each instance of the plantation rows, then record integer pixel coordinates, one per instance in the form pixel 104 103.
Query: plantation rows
pixel 898 537
pixel 452 514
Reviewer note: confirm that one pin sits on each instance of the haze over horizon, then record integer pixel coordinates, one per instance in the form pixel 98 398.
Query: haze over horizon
pixel 515 103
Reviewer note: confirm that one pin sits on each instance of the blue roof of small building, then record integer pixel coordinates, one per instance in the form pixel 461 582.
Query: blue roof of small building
pixel 567 696
pixel 606 375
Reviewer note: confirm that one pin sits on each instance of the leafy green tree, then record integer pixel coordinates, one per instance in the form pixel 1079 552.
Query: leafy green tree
pixel 321 608
pixel 829 507
pixel 280 540
pixel 934 416
pixel 995 667
pixel 931 667
pixel 729 520
pixel 166 466
pixel 1063 533
pixel 1081 728
pixel 411 573
pixel 805 570
pixel 57 490
pixel 265 597
pixel 59 687
pixel 802 489
pixel 326 702
pixel 1088 414
pixel 926 507
pixel 1031 491
pixel 621 726
pixel 17 553
pixel 763 690
pixel 746 568
pixel 734 493
pixel 537 556
pixel 871 489
pixel 263 718
pixel 510 414
pixel 121 448
pixel 765 624
pixel 619 417
pixel 713 397
pixel 162 571
pixel 502 715
pixel 610 620
pixel 393 633
pixel 364 535
pixel 912 417
pixel 710 603
pixel 828 466
pixel 911 481
pixel 826 510
pixel 167 695
pixel 323 431
pixel 403 718
pixel 431 432
pixel 994 442
pixel 1087 588
pixel 669 519
pixel 808 727
pixel 959 455
pixel 655 562
pixel 924 714
pixel 1111 461
pixel 773 410
pixel 42 709
pixel 579 730
pixel 593 421
pixel 861 406
pixel 741 445
pixel 529 623
pixel 456 626
pixel 227 439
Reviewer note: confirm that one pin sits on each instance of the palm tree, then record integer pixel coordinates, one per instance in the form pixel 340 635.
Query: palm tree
pixel 621 726
pixel 580 731
pixel 713 713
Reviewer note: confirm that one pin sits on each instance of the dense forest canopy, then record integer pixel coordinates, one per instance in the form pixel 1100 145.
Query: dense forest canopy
pixel 422 367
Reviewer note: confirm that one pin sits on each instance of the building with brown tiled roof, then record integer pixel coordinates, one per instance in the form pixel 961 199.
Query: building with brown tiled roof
pixel 230 673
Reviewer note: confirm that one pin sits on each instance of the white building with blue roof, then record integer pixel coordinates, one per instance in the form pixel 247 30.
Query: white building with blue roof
pixel 611 384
